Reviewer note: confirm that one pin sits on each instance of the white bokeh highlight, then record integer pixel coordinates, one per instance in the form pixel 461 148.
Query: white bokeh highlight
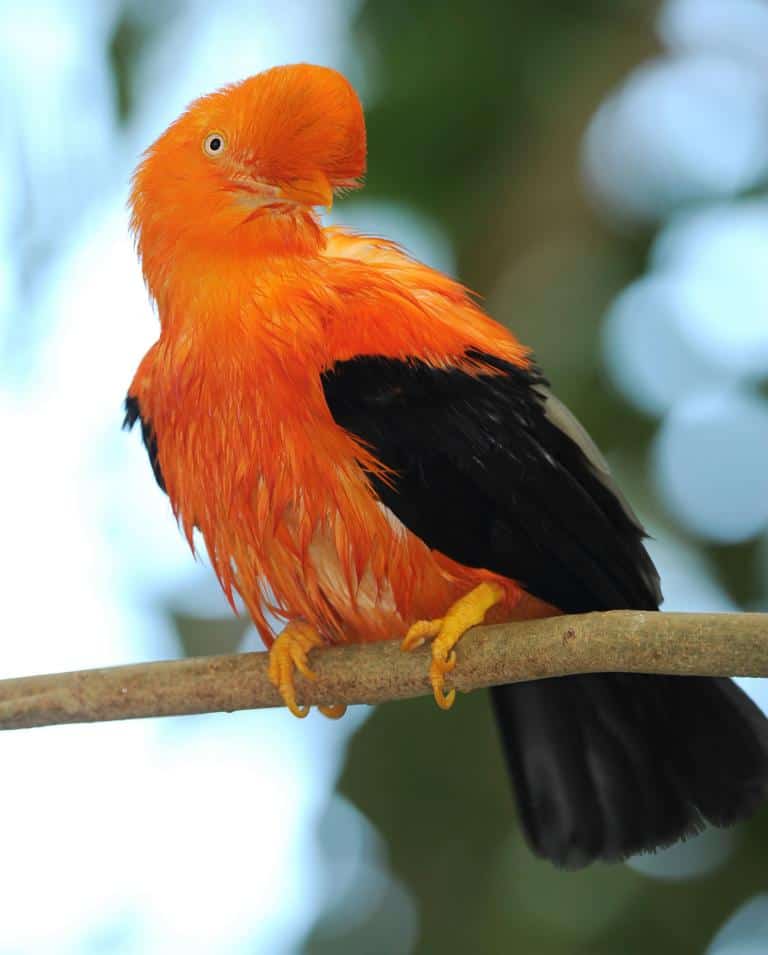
pixel 679 129
pixel 696 857
pixel 711 460
pixel 716 259
pixel 735 27
pixel 745 932
pixel 649 356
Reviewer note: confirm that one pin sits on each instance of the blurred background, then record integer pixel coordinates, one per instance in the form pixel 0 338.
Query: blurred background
pixel 598 172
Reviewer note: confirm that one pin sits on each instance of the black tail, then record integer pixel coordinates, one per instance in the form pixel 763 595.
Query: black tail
pixel 611 764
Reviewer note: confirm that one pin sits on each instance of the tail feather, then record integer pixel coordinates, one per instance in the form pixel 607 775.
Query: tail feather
pixel 607 765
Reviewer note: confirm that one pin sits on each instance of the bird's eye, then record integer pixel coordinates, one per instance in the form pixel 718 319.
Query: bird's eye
pixel 213 144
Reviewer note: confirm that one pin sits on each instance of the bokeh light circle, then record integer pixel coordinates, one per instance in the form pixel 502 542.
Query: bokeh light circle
pixel 711 457
pixel 680 129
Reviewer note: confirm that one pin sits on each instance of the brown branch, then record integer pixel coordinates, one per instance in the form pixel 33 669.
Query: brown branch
pixel 629 641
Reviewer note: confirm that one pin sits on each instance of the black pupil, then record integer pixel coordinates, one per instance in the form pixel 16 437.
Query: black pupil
pixel 215 144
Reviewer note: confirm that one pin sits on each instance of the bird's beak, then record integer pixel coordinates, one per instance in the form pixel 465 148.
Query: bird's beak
pixel 315 191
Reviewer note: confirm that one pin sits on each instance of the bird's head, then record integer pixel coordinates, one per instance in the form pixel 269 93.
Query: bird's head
pixel 247 164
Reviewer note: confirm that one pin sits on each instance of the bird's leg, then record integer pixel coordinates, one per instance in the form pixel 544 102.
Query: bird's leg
pixel 289 653
pixel 467 612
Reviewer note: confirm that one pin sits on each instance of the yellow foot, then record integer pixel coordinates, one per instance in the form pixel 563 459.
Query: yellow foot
pixel 289 653
pixel 447 631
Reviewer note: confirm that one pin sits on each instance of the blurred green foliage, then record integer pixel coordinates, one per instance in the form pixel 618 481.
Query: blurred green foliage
pixel 135 26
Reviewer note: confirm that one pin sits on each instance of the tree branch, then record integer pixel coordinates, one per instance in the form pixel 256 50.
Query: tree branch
pixel 618 641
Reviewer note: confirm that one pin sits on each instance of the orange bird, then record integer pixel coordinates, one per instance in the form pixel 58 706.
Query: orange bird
pixel 366 453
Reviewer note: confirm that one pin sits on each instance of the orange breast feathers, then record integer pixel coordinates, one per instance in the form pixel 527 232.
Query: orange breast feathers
pixel 256 300
pixel 251 456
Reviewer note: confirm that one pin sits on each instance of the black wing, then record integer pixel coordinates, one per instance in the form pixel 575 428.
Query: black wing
pixel 494 472
pixel 132 415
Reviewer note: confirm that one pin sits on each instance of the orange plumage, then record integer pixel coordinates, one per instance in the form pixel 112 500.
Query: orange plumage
pixel 255 300
pixel 367 455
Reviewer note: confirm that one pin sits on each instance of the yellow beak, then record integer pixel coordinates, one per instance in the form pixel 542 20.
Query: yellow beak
pixel 315 191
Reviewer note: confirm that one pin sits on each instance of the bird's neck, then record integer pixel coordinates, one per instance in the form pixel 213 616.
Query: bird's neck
pixel 176 264
pixel 241 306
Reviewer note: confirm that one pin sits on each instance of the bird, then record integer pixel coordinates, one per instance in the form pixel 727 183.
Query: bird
pixel 368 455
